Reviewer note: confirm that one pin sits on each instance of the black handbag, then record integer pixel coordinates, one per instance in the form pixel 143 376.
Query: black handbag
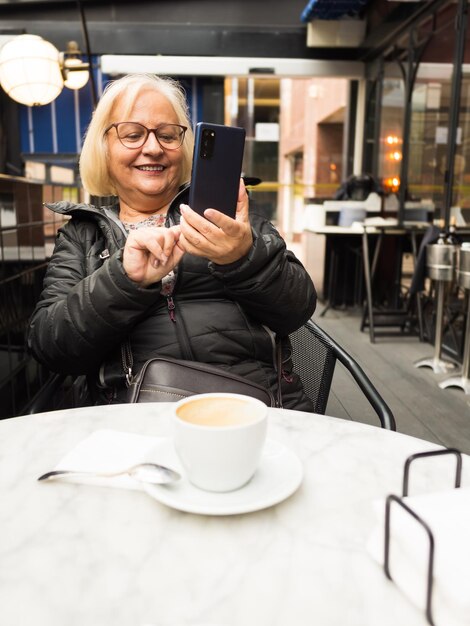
pixel 167 380
pixel 163 379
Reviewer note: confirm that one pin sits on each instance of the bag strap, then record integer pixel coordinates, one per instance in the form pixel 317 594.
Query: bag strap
pixel 127 357
pixel 279 373
pixel 188 355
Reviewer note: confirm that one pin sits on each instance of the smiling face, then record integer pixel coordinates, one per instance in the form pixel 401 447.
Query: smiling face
pixel 146 178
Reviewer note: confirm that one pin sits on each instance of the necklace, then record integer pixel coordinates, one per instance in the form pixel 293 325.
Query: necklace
pixel 152 220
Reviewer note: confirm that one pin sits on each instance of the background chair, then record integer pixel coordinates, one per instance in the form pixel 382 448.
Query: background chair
pixel 314 354
pixel 358 187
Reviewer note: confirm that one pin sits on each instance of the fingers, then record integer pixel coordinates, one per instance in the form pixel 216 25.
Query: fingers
pixel 242 203
pixel 197 229
pixel 210 227
pixel 228 224
pixel 221 221
pixel 242 213
pixel 150 253
pixel 157 241
pixel 171 255
pixel 222 239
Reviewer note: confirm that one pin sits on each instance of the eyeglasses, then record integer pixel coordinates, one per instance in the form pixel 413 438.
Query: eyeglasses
pixel 134 135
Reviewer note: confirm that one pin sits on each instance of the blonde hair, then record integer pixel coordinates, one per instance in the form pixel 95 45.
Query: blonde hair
pixel 94 156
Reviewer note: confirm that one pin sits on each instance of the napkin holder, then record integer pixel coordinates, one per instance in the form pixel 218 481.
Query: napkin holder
pixel 397 500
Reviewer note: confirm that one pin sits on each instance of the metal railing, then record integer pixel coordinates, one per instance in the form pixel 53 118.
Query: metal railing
pixel 27 235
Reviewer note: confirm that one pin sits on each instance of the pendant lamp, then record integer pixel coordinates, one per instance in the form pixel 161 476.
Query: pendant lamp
pixel 30 71
pixel 74 71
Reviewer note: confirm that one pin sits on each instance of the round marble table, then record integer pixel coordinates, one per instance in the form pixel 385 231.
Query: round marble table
pixel 75 554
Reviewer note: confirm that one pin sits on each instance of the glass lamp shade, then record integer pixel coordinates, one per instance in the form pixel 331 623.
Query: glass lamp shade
pixel 73 78
pixel 30 71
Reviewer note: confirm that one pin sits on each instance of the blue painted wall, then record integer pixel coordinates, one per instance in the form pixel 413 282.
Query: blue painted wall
pixel 37 123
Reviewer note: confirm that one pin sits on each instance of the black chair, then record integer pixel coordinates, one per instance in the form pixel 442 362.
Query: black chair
pixel 59 392
pixel 358 187
pixel 314 354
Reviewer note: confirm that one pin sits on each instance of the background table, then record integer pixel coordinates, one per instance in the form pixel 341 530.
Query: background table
pixel 358 240
pixel 77 554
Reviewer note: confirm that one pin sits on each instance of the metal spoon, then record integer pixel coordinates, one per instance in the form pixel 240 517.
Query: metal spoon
pixel 144 472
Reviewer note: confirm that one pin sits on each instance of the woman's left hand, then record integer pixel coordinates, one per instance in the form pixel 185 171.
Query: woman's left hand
pixel 218 238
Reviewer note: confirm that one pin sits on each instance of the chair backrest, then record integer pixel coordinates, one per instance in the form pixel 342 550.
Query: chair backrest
pixel 314 355
pixel 59 392
pixel 315 363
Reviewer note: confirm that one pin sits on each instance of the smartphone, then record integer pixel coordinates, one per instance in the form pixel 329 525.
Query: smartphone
pixel 217 166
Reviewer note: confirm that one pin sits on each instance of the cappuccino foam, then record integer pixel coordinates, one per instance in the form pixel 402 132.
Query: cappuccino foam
pixel 217 412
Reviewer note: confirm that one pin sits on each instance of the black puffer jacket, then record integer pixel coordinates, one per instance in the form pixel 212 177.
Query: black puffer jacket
pixel 89 306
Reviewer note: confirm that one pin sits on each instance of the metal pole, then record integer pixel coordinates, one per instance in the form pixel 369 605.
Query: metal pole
pixel 459 51
pixel 462 380
pixel 377 119
pixel 436 363
pixel 349 130
pixel 415 53
pixel 466 350
pixel 439 320
pixel 94 97
pixel 368 311
pixel 408 78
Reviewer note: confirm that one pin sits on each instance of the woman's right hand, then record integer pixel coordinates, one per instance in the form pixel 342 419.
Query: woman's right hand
pixel 151 253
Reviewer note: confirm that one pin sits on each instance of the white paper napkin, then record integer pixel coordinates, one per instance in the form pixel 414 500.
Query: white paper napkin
pixel 447 514
pixel 111 450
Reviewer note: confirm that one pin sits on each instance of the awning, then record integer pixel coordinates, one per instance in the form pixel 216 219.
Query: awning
pixel 332 9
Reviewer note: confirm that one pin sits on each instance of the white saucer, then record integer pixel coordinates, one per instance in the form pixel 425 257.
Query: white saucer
pixel 277 477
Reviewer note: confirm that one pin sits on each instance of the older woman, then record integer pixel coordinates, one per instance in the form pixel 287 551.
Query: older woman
pixel 134 271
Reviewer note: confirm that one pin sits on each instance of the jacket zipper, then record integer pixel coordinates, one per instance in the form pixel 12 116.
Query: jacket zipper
pixel 170 303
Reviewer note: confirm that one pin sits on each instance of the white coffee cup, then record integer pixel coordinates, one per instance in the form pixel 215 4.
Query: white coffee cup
pixel 219 438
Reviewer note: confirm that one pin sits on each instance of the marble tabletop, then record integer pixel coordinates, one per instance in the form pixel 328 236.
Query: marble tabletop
pixel 76 555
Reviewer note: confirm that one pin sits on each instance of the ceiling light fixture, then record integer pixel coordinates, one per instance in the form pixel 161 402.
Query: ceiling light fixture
pixel 29 70
pixel 74 71
pixel 33 72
